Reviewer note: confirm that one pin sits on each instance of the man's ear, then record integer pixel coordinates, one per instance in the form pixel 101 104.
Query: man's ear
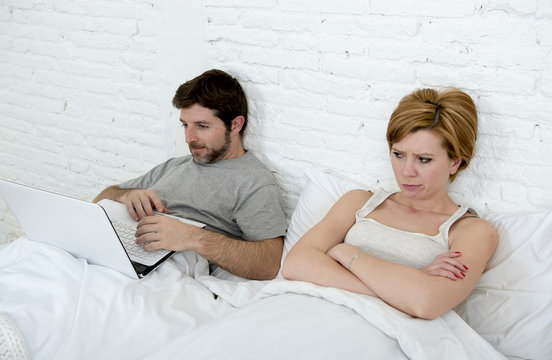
pixel 237 124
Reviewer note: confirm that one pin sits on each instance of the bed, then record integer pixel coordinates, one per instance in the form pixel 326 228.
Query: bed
pixel 54 306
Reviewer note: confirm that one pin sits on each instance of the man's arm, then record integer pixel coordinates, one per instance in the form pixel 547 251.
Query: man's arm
pixel 139 203
pixel 112 192
pixel 259 260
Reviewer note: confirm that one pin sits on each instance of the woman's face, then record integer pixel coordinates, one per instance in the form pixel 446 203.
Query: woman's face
pixel 421 164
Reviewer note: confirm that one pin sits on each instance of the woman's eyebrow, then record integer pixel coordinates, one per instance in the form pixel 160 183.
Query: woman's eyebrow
pixel 416 154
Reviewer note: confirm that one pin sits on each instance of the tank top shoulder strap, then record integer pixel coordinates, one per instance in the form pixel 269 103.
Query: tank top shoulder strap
pixel 462 211
pixel 375 200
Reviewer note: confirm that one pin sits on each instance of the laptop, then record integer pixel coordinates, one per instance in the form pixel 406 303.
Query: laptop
pixel 82 228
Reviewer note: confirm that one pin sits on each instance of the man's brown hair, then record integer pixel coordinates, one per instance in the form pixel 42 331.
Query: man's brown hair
pixel 215 90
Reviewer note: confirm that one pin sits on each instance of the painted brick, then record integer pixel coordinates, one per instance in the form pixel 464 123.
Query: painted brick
pixel 349 7
pixel 446 8
pixel 368 69
pixel 285 22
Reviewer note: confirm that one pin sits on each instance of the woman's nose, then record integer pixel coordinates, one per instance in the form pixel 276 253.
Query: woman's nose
pixel 409 168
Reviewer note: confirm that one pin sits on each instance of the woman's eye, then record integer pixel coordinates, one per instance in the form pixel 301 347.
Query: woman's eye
pixel 424 160
pixel 397 154
pixel 183 125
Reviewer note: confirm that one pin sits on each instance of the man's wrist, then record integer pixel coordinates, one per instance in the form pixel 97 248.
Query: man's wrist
pixel 120 194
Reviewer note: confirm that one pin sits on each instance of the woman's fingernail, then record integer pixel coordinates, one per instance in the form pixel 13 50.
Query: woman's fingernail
pixel 457 276
pixel 457 252
pixel 464 275
pixel 465 267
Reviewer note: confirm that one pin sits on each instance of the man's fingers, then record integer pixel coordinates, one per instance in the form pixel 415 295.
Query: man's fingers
pixel 146 201
pixel 158 204
pixel 132 212
pixel 139 208
pixel 150 202
pixel 151 246
pixel 145 238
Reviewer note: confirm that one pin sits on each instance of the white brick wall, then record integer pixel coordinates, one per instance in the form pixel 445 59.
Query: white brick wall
pixel 85 89
pixel 325 76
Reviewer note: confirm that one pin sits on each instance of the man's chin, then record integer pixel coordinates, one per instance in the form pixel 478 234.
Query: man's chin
pixel 201 159
pixel 208 157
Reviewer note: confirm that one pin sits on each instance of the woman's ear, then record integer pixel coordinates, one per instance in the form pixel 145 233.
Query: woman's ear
pixel 455 165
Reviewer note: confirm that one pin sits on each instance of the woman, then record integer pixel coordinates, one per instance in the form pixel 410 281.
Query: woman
pixel 414 248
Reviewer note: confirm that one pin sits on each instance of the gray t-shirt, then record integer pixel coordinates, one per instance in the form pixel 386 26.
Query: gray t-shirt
pixel 236 197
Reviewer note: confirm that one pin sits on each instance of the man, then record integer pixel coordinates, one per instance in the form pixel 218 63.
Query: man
pixel 220 184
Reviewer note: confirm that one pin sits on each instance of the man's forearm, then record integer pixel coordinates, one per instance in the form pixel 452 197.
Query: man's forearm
pixel 112 192
pixel 258 260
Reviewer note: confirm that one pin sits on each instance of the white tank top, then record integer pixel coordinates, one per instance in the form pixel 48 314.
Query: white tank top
pixel 398 246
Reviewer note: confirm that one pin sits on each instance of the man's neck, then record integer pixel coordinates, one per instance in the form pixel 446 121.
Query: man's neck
pixel 235 151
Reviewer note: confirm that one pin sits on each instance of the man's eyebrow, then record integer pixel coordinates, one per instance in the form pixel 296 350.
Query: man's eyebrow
pixel 201 122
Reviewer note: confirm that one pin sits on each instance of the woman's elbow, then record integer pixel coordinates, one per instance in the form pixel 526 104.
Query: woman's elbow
pixel 289 268
pixel 426 310
pixel 426 314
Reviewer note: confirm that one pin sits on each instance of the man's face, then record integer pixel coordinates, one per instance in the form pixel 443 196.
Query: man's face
pixel 206 135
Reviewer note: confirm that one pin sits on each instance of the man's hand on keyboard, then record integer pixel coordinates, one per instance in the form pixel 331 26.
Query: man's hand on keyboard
pixel 164 232
pixel 141 203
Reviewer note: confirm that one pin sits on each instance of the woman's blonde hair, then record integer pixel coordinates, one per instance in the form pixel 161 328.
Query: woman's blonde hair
pixel 451 113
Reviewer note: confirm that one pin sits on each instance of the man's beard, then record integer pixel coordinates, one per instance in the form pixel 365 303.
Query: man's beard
pixel 213 155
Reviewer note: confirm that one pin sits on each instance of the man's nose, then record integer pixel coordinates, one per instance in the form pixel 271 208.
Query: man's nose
pixel 190 135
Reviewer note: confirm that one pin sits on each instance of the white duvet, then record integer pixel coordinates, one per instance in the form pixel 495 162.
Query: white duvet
pixel 68 309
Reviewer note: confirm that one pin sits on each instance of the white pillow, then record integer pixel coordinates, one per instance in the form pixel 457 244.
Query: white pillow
pixel 511 306
pixel 319 195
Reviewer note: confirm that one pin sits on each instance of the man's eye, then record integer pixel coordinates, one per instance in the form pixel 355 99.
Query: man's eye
pixel 183 125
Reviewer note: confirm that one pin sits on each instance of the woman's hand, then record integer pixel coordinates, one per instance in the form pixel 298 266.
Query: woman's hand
pixel 446 265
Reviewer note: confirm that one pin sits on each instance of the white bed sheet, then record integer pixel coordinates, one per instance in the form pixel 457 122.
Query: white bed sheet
pixel 291 326
pixel 68 309
pixel 447 337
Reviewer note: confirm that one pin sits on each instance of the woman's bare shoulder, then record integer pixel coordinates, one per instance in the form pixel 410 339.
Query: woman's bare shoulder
pixel 357 193
pixel 355 197
pixel 349 203
pixel 474 227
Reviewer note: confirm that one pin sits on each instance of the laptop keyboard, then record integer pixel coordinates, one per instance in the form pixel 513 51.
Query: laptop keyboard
pixel 136 252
